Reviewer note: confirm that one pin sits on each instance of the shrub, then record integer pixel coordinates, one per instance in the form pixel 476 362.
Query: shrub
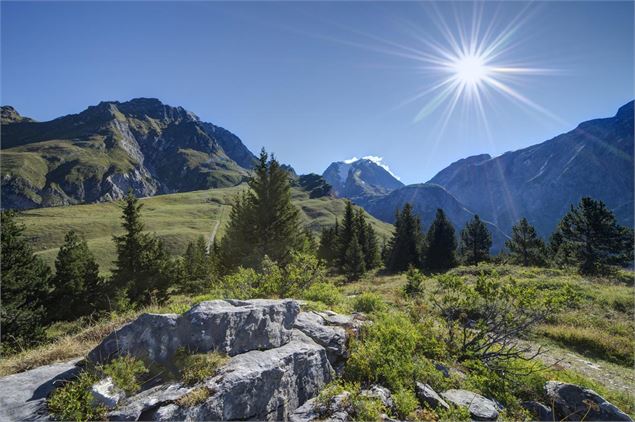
pixel 73 401
pixel 368 408
pixel 302 272
pixel 405 403
pixel 425 371
pixel 454 414
pixel 126 372
pixel 194 397
pixel 241 284
pixel 324 292
pixel 198 367
pixel 414 283
pixel 383 353
pixel 368 302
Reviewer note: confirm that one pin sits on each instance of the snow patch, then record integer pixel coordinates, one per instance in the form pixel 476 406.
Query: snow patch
pixel 375 159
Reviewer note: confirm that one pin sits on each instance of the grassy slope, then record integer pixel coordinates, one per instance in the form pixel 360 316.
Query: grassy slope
pixel 176 218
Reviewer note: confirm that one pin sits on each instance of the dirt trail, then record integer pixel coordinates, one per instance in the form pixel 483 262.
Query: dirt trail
pixel 212 235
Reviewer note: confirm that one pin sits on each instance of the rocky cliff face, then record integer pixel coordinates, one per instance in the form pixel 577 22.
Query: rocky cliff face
pixel 541 182
pixel 100 153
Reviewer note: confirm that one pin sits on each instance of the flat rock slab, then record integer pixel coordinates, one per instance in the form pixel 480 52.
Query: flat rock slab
pixel 332 338
pixel 228 326
pixel 578 403
pixel 23 396
pixel 480 408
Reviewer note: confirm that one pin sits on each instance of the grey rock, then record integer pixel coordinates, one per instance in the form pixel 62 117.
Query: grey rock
pixel 148 402
pixel 23 396
pixel 576 403
pixel 427 395
pixel 308 412
pixel 231 327
pixel 544 413
pixel 332 338
pixel 381 393
pixel 480 408
pixel 266 385
pixel 106 393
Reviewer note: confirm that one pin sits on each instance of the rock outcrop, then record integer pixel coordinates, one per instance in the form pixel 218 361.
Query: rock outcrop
pixel 480 408
pixel 576 403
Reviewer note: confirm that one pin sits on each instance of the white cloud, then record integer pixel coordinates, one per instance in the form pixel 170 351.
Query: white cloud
pixel 375 159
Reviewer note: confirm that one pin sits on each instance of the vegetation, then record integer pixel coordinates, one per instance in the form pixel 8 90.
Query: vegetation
pixel 126 372
pixel 197 367
pixel 440 252
pixel 73 400
pixel 476 242
pixel 525 247
pixel 405 247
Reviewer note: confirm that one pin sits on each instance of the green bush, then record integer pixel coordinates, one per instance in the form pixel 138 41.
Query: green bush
pixel 384 352
pixel 73 400
pixel 368 302
pixel 197 367
pixel 405 403
pixel 414 283
pixel 126 372
pixel 454 414
pixel 324 292
pixel 368 408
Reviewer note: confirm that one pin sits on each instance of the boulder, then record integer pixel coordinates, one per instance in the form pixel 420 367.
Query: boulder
pixel 23 396
pixel 332 338
pixel 543 413
pixel 578 403
pixel 427 395
pixel 480 408
pixel 228 326
pixel 381 393
pixel 308 412
pixel 139 406
pixel 106 393
pixel 264 385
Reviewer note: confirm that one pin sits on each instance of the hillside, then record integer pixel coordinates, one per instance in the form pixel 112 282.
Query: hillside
pixel 176 218
pixel 100 153
pixel 540 182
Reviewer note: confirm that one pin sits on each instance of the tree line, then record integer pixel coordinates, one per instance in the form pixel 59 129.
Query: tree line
pixel 266 251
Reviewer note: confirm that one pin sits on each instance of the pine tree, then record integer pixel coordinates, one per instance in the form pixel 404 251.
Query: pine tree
pixel 372 254
pixel 476 241
pixel 263 221
pixel 76 283
pixel 591 233
pixel 328 249
pixel 345 234
pixel 407 241
pixel 199 269
pixel 525 246
pixel 354 266
pixel 142 266
pixel 25 285
pixel 440 254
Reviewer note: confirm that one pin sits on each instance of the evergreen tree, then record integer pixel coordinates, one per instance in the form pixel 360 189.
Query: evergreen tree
pixel 355 265
pixel 525 246
pixel 345 234
pixel 76 283
pixel 476 241
pixel 142 266
pixel 25 284
pixel 591 233
pixel 407 241
pixel 263 220
pixel 328 248
pixel 372 253
pixel 198 267
pixel 440 254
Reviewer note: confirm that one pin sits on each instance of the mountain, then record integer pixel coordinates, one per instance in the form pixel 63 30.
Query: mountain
pixel 425 198
pixel 100 153
pixel 541 181
pixel 360 178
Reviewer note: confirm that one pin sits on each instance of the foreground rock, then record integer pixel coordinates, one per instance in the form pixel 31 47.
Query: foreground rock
pixel 331 337
pixel 577 403
pixel 480 408
pixel 427 395
pixel 23 396
pixel 543 412
pixel 105 393
pixel 227 326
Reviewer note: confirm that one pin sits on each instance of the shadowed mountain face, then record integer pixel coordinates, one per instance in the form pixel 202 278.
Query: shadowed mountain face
pixel 360 178
pixel 100 153
pixel 542 181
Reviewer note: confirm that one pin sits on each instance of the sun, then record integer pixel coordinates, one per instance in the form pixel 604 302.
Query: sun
pixel 470 69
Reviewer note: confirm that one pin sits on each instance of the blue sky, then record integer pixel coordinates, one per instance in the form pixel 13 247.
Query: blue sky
pixel 317 82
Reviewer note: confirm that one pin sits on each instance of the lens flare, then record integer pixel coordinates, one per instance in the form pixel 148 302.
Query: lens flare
pixel 470 70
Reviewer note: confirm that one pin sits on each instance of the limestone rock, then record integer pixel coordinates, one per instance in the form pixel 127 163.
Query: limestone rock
pixel 576 403
pixel 147 402
pixel 544 413
pixel 480 408
pixel 106 393
pixel 332 338
pixel 427 395
pixel 381 393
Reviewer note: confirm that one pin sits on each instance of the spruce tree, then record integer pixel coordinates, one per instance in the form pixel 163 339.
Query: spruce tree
pixel 25 285
pixel 345 234
pixel 372 254
pixel 440 254
pixel 199 269
pixel 407 241
pixel 525 246
pixel 591 233
pixel 355 265
pixel 476 241
pixel 76 283
pixel 263 222
pixel 142 267
pixel 328 249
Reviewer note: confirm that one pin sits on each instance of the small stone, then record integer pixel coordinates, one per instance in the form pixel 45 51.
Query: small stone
pixel 480 408
pixel 381 393
pixel 427 395
pixel 544 413
pixel 106 393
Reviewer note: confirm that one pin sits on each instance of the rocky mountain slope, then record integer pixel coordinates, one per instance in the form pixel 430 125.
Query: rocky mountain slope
pixel 100 153
pixel 360 178
pixel 540 182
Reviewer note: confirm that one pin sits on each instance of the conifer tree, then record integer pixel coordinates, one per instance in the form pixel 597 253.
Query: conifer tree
pixel 25 285
pixel 407 241
pixel 263 221
pixel 525 246
pixel 328 248
pixel 440 254
pixel 76 282
pixel 355 265
pixel 345 233
pixel 141 268
pixel 476 241
pixel 372 254
pixel 591 233
pixel 199 267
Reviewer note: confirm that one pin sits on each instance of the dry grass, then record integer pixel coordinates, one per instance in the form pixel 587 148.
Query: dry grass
pixel 194 397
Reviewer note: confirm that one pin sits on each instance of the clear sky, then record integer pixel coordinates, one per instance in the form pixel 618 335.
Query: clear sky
pixel 317 82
